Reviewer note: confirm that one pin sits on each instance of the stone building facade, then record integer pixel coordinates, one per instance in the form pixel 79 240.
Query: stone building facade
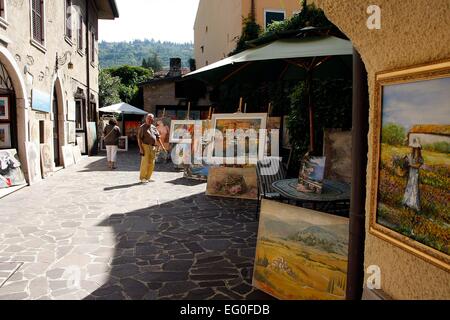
pixel 49 71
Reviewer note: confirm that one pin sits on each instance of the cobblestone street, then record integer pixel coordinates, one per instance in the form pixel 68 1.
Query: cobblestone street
pixel 90 233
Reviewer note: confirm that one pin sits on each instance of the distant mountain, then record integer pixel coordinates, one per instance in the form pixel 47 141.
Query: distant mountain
pixel 333 242
pixel 119 53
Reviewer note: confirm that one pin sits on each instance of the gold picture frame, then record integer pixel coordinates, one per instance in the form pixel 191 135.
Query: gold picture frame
pixel 417 76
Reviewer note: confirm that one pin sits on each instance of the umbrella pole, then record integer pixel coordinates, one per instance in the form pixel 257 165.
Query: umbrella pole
pixel 311 112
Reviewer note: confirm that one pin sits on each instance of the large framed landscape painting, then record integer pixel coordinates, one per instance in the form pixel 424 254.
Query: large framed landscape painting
pixel 301 254
pixel 244 147
pixel 410 192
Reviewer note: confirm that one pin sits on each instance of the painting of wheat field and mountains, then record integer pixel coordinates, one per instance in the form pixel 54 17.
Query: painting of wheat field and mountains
pixel 301 254
pixel 413 198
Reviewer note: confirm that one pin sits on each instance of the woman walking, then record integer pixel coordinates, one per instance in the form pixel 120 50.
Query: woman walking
pixel 415 160
pixel 111 135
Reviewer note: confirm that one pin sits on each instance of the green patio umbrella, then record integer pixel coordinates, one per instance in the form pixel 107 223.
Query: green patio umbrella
pixel 317 57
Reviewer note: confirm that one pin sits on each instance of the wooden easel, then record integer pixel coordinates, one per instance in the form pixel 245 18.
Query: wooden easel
pixel 189 110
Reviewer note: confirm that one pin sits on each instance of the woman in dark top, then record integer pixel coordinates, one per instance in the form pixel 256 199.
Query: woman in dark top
pixel 111 136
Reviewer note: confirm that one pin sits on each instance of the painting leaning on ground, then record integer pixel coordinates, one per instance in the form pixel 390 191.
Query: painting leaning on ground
pixel 301 254
pixel 414 174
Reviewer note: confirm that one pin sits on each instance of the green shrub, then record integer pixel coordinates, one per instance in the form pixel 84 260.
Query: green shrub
pixel 394 135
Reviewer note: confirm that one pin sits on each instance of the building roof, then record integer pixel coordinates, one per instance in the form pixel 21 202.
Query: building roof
pixel 443 130
pixel 107 9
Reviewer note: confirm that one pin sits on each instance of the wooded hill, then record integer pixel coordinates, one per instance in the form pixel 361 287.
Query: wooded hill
pixel 132 53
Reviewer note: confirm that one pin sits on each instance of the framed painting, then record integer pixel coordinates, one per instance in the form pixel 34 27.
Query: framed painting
pixel 11 173
pixel 163 127
pixel 4 109
pixel 123 144
pixel 240 183
pixel 5 135
pixel 301 254
pixel 181 131
pixel 273 136
pixel 410 189
pixel 47 162
pixel 234 149
pixel 71 106
pixel 311 175
pixel 34 162
pixel 77 157
pixel 71 131
pixel 68 158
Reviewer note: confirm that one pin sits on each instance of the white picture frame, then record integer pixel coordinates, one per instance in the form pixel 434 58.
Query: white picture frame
pixel 33 162
pixel 175 131
pixel 239 120
pixel 71 110
pixel 67 153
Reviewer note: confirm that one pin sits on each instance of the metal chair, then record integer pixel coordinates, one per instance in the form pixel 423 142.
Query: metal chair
pixel 268 171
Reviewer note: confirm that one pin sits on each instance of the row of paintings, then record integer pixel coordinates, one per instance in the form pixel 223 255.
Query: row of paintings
pixel 183 132
pixel 40 163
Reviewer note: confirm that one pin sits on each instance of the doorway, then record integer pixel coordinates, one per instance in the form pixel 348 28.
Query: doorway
pixel 56 144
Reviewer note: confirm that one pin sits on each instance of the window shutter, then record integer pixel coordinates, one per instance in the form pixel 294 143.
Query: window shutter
pixel 69 18
pixel 38 21
pixel 2 8
pixel 80 34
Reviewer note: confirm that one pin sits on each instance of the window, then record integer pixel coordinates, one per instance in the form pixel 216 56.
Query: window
pixel 271 16
pixel 37 15
pixel 93 39
pixel 69 19
pixel 80 33
pixel 2 9
pixel 79 115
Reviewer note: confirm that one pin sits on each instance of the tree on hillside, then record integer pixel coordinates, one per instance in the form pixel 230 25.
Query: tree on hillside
pixel 109 88
pixel 130 77
pixel 153 62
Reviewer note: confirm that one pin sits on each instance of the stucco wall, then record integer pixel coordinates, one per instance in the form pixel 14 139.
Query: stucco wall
pixel 413 32
pixel 224 22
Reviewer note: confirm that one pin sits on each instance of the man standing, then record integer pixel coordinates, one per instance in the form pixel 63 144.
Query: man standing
pixel 148 136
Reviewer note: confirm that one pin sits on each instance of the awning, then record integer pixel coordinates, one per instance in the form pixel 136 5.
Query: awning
pixel 123 108
pixel 285 49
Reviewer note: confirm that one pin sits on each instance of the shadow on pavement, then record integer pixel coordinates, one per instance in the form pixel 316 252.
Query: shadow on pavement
pixel 193 248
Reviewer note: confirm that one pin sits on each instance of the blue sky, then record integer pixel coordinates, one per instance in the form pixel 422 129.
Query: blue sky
pixel 165 20
pixel 424 102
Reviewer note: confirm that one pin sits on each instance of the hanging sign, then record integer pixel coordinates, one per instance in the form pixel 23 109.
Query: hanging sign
pixel 41 101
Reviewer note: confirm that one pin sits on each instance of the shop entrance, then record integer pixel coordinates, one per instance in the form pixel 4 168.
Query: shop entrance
pixel 8 122
pixel 56 143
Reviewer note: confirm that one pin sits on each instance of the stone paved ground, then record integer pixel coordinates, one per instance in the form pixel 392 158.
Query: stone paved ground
pixel 89 233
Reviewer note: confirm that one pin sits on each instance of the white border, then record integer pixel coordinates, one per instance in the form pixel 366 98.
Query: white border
pixel 272 11
pixel 173 123
pixel 239 116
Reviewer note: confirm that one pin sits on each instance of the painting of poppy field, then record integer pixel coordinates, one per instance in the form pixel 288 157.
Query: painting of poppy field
pixel 416 129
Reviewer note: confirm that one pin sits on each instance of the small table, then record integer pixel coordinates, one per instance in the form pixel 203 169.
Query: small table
pixel 333 191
